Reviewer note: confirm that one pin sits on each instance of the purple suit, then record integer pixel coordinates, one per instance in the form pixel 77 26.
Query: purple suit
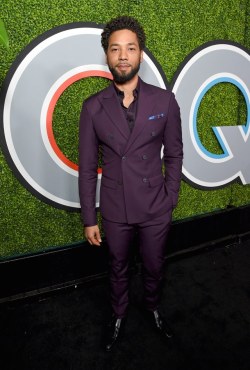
pixel 134 193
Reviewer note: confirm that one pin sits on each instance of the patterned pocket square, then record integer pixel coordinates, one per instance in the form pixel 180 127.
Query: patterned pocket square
pixel 157 116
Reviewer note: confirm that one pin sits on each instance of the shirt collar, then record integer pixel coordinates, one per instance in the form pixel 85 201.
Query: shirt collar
pixel 135 92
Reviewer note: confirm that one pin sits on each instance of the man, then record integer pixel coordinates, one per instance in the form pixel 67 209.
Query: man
pixel 131 120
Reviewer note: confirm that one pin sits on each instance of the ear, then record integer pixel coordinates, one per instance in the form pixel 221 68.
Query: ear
pixel 141 56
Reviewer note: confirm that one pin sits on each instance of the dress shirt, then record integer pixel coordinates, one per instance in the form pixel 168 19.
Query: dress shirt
pixel 130 112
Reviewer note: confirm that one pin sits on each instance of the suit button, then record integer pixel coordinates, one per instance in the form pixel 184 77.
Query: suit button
pixel 145 179
pixel 144 156
pixel 124 158
pixel 153 133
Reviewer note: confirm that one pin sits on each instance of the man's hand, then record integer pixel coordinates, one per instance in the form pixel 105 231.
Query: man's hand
pixel 92 234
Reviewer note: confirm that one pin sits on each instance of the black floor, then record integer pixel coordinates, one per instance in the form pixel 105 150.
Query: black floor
pixel 206 299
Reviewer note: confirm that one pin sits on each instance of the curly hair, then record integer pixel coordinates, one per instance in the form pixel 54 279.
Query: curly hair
pixel 123 23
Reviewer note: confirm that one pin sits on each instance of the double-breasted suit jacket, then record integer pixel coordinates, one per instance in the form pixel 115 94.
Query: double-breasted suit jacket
pixel 133 186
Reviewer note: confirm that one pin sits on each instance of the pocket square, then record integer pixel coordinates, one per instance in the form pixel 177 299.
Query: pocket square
pixel 157 116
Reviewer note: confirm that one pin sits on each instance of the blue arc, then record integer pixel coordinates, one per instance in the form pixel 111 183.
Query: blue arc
pixel 197 105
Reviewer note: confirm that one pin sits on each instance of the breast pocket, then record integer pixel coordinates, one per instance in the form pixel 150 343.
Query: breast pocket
pixel 155 128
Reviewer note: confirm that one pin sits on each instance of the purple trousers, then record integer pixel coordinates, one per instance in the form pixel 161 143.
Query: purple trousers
pixel 152 243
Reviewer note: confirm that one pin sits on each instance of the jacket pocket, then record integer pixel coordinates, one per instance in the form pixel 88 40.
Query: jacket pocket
pixel 112 184
pixel 156 180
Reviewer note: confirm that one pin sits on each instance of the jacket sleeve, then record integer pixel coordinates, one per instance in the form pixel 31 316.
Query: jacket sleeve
pixel 88 163
pixel 173 150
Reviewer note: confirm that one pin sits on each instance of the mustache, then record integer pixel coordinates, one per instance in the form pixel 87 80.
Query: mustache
pixel 123 64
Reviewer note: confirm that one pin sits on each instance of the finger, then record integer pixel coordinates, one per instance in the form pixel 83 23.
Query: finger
pixel 98 236
pixel 90 242
pixel 89 238
pixel 93 241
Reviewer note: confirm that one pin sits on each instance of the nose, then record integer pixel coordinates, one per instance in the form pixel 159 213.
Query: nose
pixel 123 54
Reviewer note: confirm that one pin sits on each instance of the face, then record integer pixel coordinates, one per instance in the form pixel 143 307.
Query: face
pixel 124 56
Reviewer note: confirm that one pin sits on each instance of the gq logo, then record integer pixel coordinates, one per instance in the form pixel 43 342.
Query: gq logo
pixel 213 64
pixel 68 53
pixel 38 77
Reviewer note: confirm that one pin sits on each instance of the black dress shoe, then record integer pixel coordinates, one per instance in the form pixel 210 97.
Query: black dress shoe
pixel 113 332
pixel 160 324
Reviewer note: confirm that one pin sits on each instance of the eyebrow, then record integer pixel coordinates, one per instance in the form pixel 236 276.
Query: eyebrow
pixel 117 44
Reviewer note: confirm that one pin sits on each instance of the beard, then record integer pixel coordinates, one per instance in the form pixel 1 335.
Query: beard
pixel 123 77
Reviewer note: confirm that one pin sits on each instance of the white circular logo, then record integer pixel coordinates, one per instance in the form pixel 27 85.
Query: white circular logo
pixel 37 78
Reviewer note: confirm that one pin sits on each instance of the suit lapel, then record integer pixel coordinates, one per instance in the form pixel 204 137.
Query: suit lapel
pixel 144 109
pixel 113 109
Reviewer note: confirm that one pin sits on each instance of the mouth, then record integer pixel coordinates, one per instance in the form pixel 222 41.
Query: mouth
pixel 123 66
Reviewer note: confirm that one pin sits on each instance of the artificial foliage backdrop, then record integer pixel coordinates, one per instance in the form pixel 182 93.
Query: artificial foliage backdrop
pixel 174 29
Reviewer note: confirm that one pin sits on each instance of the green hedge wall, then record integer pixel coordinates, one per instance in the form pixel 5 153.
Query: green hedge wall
pixel 174 29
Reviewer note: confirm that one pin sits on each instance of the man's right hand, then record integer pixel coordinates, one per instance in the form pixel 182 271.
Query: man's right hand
pixel 92 234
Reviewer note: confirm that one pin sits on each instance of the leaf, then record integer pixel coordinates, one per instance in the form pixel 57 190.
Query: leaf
pixel 3 35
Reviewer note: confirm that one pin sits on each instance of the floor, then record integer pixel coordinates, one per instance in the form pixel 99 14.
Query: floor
pixel 206 299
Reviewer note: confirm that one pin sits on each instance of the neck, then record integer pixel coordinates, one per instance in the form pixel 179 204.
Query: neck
pixel 128 87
